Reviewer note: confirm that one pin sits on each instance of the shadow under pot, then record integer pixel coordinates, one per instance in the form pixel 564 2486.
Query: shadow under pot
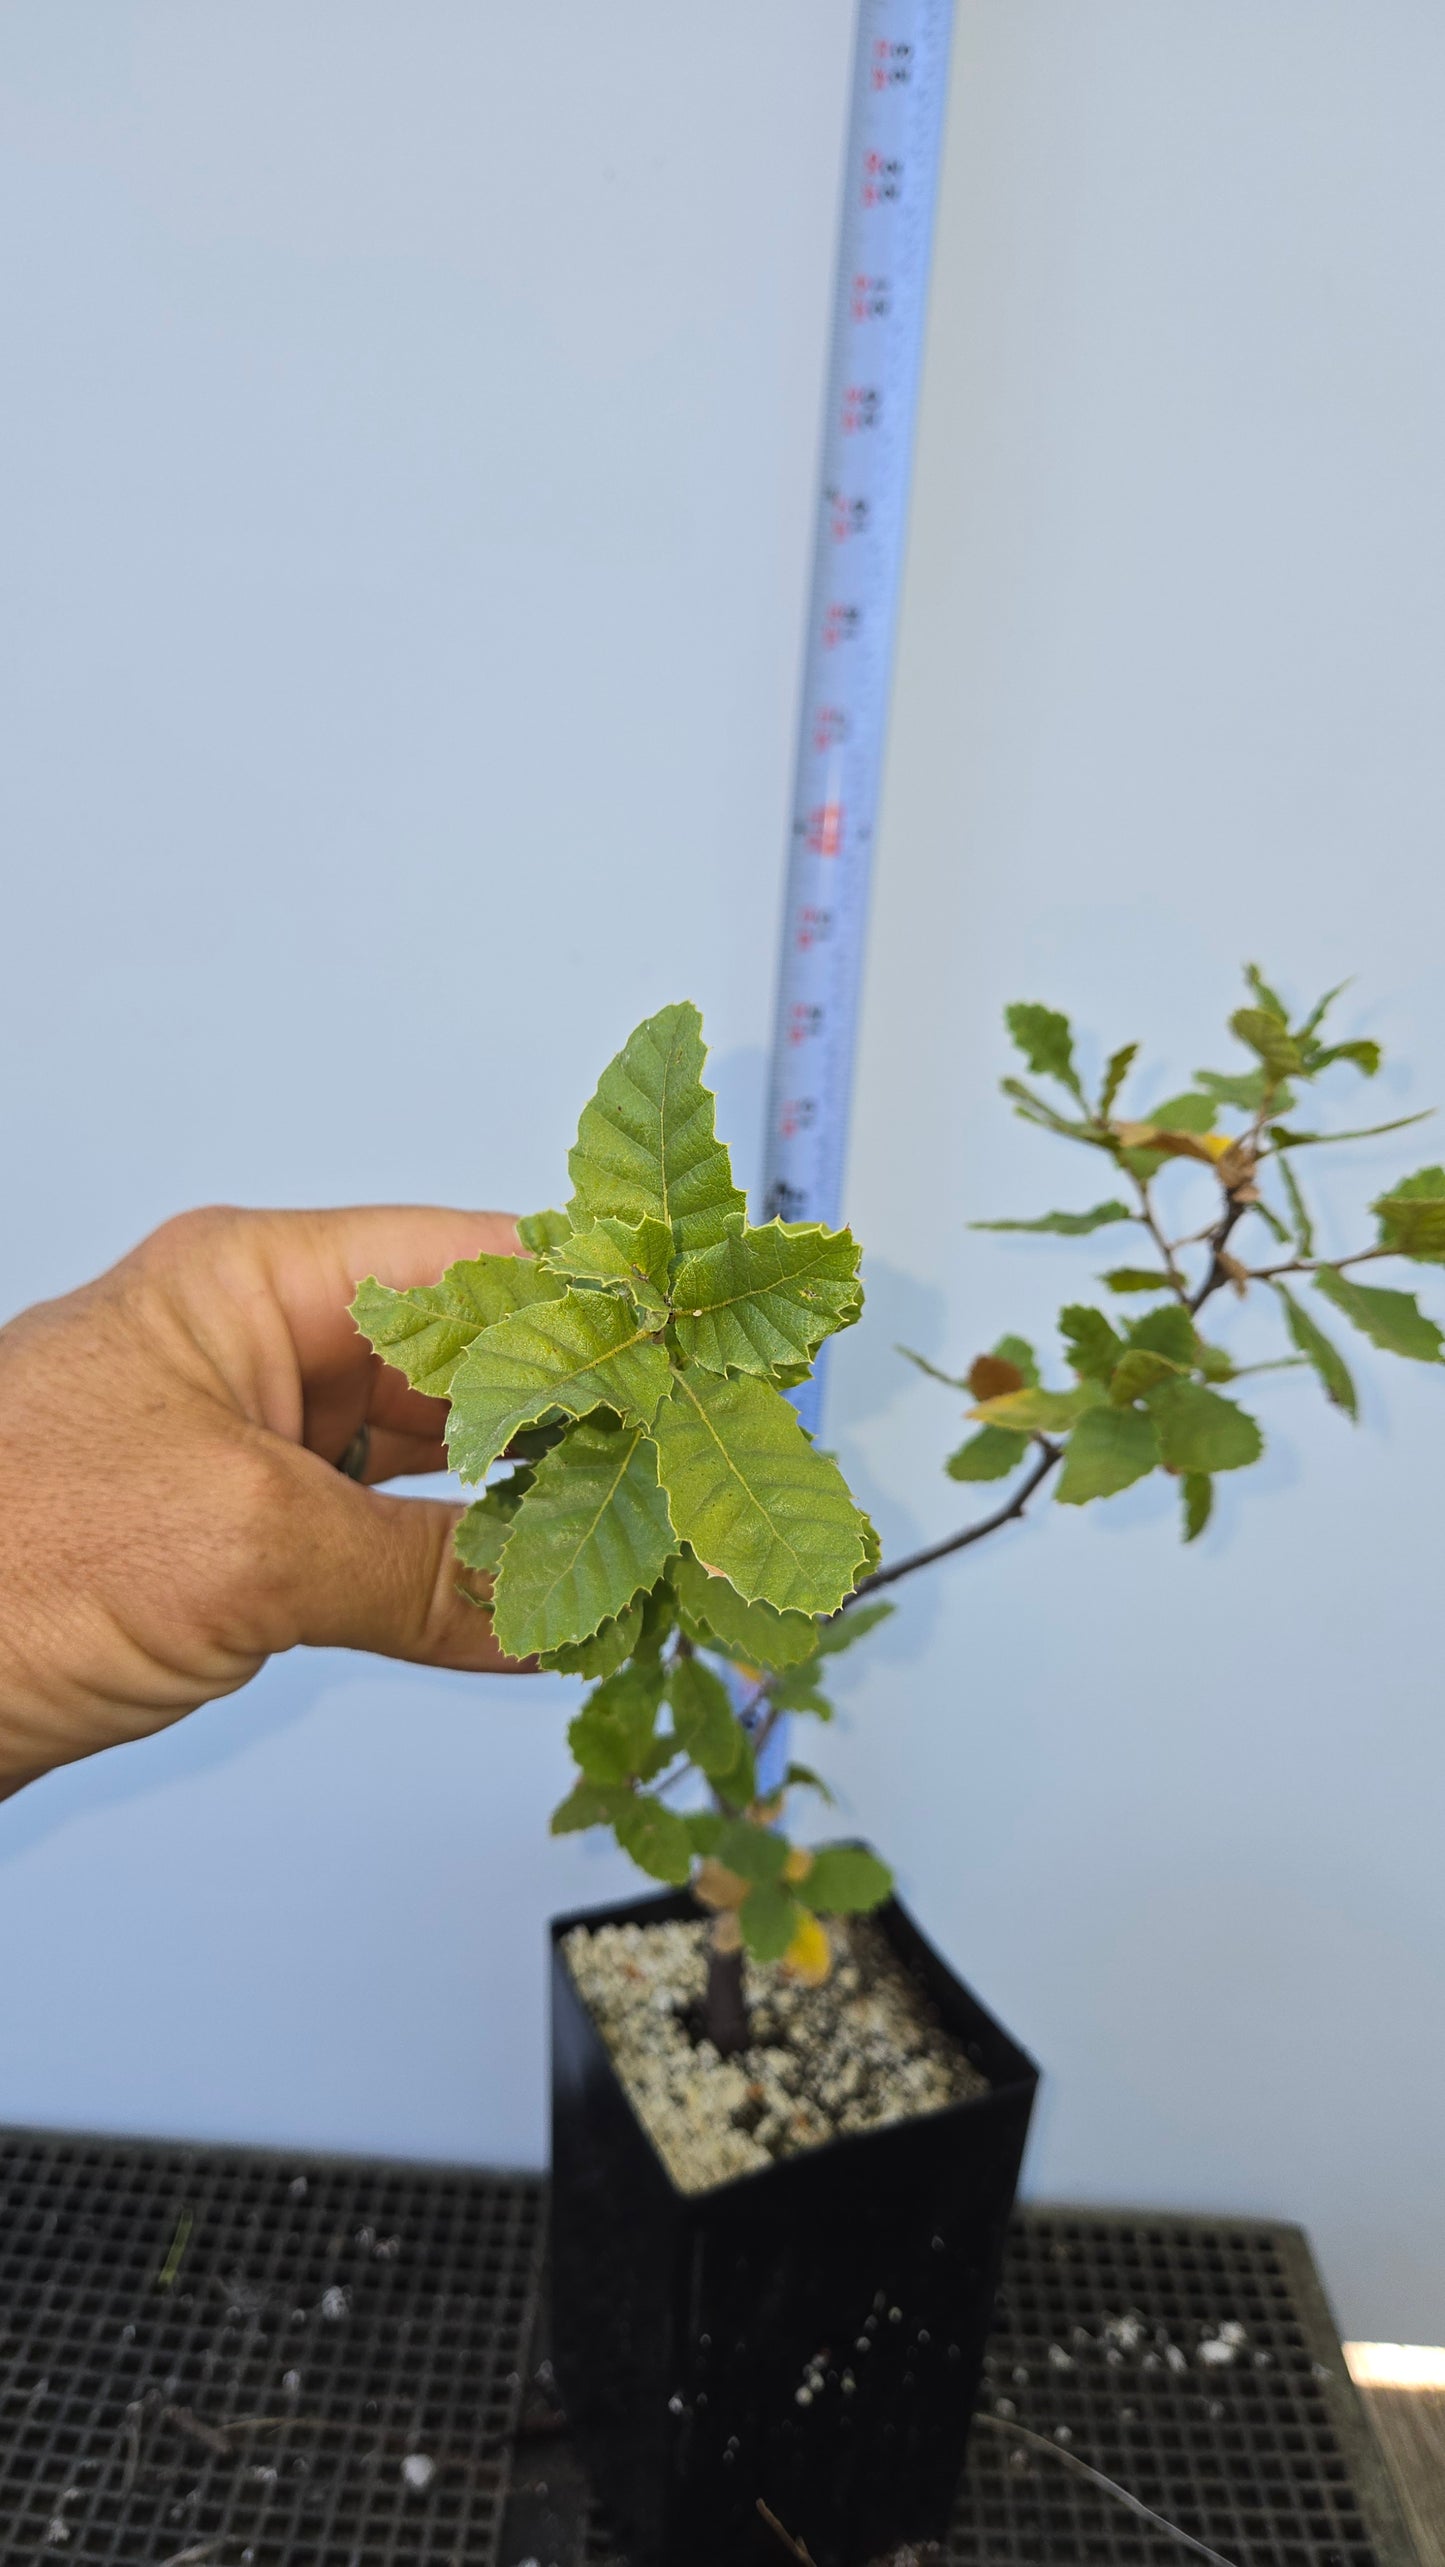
pixel 788 2355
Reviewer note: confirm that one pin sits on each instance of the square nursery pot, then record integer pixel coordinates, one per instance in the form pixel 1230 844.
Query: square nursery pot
pixel 685 2325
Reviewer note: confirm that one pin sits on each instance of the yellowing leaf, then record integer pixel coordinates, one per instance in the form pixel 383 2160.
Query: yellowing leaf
pixel 770 1917
pixel 809 1957
pixel 1038 1412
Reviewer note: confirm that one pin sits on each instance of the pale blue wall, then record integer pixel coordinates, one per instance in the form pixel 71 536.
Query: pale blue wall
pixel 406 462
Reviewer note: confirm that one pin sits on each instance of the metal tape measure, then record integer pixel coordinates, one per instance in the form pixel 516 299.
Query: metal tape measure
pixel 890 186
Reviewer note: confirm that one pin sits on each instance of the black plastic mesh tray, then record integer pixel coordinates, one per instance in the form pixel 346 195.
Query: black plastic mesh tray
pixel 268 2361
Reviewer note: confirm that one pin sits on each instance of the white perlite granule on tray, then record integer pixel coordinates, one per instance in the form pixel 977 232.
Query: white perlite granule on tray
pixel 864 2049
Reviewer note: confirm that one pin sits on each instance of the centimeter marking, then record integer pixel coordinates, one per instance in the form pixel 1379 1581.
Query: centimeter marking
pixel 900 81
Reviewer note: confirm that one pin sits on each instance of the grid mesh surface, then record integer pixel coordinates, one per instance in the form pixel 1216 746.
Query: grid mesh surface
pixel 376 2313
pixel 1193 2363
pixel 155 2302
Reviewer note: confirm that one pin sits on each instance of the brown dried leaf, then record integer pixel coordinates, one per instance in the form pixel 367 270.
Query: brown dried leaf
pixel 717 1887
pixel 993 1377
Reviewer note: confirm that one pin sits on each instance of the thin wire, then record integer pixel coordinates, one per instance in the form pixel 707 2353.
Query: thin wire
pixel 1110 2486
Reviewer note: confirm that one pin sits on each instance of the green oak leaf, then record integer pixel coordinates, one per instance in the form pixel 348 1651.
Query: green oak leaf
pixel 539 1231
pixel 1320 1010
pixel 703 1720
pixel 1166 1332
pixel 1137 1371
pixel 1093 1347
pixel 1303 1227
pixel 1038 1412
pixel 1412 1217
pixel 1066 1225
pixel 801 1778
pixel 603 1652
pixel 588 1804
pixel 762 1298
pixel 1282 1137
pixel 1137 1279
pixel 754 1853
pixel 1270 1217
pixel 845 1880
pixel 1319 1350
pixel 646 1146
pixel 1036 1109
pixel 1365 1055
pixel 581 1352
pixel 1196 1489
pixel 752 1496
pixel 613 1732
pixel 1247 1092
pixel 737 1784
pixel 1188 1113
pixel 1265 995
pixel 989 1455
pixel 1108 1450
pixel 482 1533
pixel 1215 1363
pixel 1200 1431
pixel 770 1917
pixel 853 1624
pixel 1391 1320
pixel 627 1256
pixel 1046 1042
pixel 1268 1036
pixel 656 1837
pixel 716 1616
pixel 425 1330
pixel 591 1534
pixel 1119 1065
pixel 800 1689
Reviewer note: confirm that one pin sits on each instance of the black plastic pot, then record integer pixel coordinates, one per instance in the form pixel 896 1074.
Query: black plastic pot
pixel 689 2330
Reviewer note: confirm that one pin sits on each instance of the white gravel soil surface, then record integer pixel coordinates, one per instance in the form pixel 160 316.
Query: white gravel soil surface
pixel 864 2049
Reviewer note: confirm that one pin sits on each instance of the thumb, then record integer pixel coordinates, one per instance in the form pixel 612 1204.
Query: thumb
pixel 368 1571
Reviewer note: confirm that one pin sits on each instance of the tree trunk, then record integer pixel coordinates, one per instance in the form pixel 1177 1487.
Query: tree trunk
pixel 725 2012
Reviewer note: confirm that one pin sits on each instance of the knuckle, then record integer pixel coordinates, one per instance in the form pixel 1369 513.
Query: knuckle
pixel 187 1236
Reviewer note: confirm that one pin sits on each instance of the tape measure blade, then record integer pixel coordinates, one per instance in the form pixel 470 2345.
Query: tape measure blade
pixel 890 183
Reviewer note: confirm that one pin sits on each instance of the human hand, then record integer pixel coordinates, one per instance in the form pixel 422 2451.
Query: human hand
pixel 170 1508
